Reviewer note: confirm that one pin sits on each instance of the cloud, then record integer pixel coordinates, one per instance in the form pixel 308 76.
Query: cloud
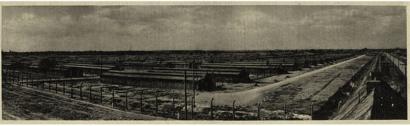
pixel 202 27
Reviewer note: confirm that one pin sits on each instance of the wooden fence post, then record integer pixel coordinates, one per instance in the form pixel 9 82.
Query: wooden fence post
pixel 101 95
pixel 141 101
pixel 72 90
pixel 192 107
pixel 311 110
pixel 90 93
pixel 81 91
pixel 212 109
pixel 259 111
pixel 285 111
pixel 43 84
pixel 31 80
pixel 233 109
pixel 64 82
pixel 126 100
pixel 173 106
pixel 56 88
pixel 113 98
pixel 186 97
pixel 156 102
pixel 49 85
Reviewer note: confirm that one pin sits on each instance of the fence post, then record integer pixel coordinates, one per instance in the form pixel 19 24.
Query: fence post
pixel 338 105
pixel 64 82
pixel 91 95
pixel 311 110
pixel 212 109
pixel 359 100
pixel 26 78
pixel 233 109
pixel 156 102
pixel 32 80
pixel 72 91
pixel 101 95
pixel 186 97
pixel 173 105
pixel 192 107
pixel 56 87
pixel 259 111
pixel 18 78
pixel 113 98
pixel 81 91
pixel 285 111
pixel 43 84
pixel 126 100
pixel 49 85
pixel 141 101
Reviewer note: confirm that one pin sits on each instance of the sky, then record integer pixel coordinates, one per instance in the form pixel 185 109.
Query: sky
pixel 194 27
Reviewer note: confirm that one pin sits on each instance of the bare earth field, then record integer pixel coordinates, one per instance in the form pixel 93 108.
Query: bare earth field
pixel 315 90
pixel 32 104
pixel 296 92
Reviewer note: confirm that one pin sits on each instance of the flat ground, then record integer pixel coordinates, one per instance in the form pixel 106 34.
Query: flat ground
pixel 299 95
pixel 33 104
pixel 297 92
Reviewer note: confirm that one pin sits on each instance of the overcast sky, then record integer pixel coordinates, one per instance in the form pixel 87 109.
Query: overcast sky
pixel 201 27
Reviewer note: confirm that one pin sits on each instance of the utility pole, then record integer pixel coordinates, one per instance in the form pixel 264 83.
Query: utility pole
pixel 193 89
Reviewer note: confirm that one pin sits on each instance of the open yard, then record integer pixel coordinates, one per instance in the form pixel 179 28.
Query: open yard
pixel 33 104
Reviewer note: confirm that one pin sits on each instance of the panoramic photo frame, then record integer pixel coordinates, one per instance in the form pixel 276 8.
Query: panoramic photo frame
pixel 210 62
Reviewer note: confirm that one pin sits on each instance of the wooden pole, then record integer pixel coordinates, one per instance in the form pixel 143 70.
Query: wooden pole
pixel 259 111
pixel 101 95
pixel 43 84
pixel 90 93
pixel 141 101
pixel 64 82
pixel 311 110
pixel 32 80
pixel 192 107
pixel 284 110
pixel 173 105
pixel 26 78
pixel 186 97
pixel 113 98
pixel 156 102
pixel 126 100
pixel 56 88
pixel 359 97
pixel 72 90
pixel 49 85
pixel 81 90
pixel 212 109
pixel 193 88
pixel 233 109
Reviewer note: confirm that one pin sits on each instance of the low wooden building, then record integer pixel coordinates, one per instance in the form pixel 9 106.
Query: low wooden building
pixel 158 80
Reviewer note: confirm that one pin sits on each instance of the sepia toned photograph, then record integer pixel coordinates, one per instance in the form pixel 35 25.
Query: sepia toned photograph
pixel 204 62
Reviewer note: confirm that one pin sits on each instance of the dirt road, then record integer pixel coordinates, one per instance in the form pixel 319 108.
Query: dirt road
pixel 251 97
